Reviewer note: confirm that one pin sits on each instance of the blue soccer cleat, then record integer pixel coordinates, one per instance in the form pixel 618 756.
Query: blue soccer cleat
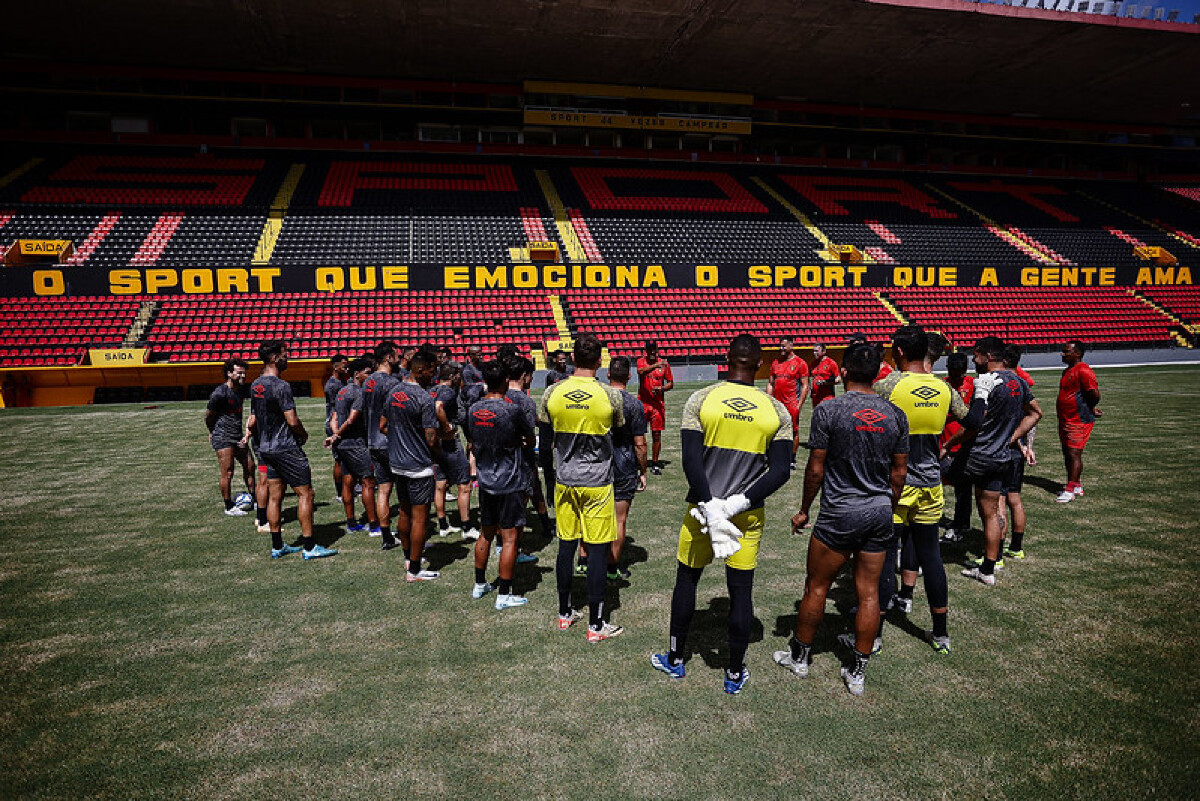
pixel 319 552
pixel 663 662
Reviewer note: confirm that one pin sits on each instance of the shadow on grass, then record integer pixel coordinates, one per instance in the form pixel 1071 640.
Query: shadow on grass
pixel 1047 485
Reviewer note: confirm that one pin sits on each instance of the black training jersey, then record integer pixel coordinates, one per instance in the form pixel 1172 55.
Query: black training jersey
pixel 446 395
pixel 625 464
pixel 860 433
pixel 410 412
pixel 471 374
pixel 1005 408
pixel 332 387
pixel 226 404
pixel 375 397
pixel 350 399
pixel 498 429
pixel 270 397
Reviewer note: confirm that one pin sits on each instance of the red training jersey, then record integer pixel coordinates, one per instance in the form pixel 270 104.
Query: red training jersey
pixel 1071 405
pixel 650 385
pixel 823 376
pixel 966 389
pixel 885 370
pixel 1024 376
pixel 785 379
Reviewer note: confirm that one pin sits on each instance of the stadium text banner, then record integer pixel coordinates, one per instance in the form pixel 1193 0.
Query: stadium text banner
pixel 640 123
pixel 113 357
pixel 53 282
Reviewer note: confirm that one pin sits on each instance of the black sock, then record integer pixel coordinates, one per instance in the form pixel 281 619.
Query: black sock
pixel 906 591
pixel 481 575
pixel 741 614
pixel 228 505
pixel 443 523
pixel 988 567
pixel 1018 539
pixel 800 650
pixel 683 607
pixel 596 584
pixel 277 540
pixel 261 514
pixel 505 586
pixel 1000 551
pixel 351 521
pixel 309 542
pixel 860 662
pixel 939 624
pixel 562 575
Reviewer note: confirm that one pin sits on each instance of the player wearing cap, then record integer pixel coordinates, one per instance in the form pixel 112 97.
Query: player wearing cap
pixel 789 384
pixel 858 460
pixel 582 413
pixel 500 432
pixel 223 418
pixel 825 375
pixel 279 438
pixel 410 424
pixel 1078 409
pixel 737 451
pixel 348 441
pixel 654 380
pixel 1009 410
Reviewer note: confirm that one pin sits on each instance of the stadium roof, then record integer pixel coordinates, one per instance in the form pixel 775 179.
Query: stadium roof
pixel 939 55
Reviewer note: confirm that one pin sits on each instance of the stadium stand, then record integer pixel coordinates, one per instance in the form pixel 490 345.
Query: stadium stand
pixel 1182 301
pixel 47 332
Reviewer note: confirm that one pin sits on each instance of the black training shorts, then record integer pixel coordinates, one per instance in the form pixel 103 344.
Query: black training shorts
pixel 290 466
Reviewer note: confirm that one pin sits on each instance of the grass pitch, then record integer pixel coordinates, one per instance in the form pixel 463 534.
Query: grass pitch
pixel 149 648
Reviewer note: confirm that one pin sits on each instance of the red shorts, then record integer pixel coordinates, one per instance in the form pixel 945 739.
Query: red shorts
pixel 656 416
pixel 1074 434
pixel 794 411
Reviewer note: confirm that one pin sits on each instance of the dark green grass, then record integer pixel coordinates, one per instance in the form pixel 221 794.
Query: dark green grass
pixel 150 648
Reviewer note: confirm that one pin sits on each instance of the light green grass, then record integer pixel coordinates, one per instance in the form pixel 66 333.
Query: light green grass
pixel 150 648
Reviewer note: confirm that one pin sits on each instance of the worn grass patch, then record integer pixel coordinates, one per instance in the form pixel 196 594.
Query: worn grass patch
pixel 150 648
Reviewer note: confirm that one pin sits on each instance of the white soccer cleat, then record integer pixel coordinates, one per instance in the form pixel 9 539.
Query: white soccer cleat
pixel 1066 496
pixel 471 534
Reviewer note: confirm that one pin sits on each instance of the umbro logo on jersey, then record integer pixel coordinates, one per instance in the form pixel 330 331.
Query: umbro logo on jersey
pixel 484 414
pixel 578 396
pixel 925 393
pixel 260 391
pixel 740 405
pixel 1014 387
pixel 399 398
pixel 870 417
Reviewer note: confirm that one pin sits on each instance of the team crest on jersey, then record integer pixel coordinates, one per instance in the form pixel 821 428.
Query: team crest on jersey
pixel 578 396
pixel 925 392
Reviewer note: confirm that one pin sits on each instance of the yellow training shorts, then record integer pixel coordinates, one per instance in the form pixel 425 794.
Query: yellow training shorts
pixel 695 549
pixel 585 512
pixel 919 505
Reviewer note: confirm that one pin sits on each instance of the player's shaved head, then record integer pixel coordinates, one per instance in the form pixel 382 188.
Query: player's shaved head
pixel 745 349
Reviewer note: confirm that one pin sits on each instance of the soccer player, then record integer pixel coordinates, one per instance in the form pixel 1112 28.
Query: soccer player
pixel 472 371
pixel 1012 361
pixel 964 385
pixel 410 423
pixel 737 451
pixel 654 380
pixel 376 390
pixel 279 438
pixel 858 460
pixel 629 460
pixel 349 443
pixel 559 369
pixel 406 354
pixel 223 418
pixel 1009 411
pixel 520 378
pixel 927 403
pixel 500 431
pixel 789 385
pixel 338 364
pixel 472 383
pixel 1078 408
pixel 825 375
pixel 452 468
pixel 582 413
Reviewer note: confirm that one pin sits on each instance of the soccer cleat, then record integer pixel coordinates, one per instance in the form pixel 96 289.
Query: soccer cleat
pixel 569 619
pixel 234 511
pixel 663 662
pixel 355 528
pixel 424 575
pixel 319 552
pixel 447 531
pixel 279 553
pixel 1066 496
pixel 262 528
pixel 1011 554
pixel 606 632
pixel 1078 490
pixel 375 532
pixel 656 470
pixel 982 578
pixel 902 605
pixel 979 563
pixel 734 682
pixel 480 590
pixel 526 558
pixel 784 659
pixel 471 534
pixel 940 644
pixel 952 535
pixel 424 563
pixel 509 601
pixel 581 570
pixel 619 574
pixel 854 681
pixel 848 641
pixel 387 546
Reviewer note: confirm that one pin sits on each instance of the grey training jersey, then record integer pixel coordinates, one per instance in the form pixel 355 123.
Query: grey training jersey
pixel 1005 408
pixel 226 404
pixel 498 429
pixel 332 387
pixel 270 397
pixel 471 374
pixel 350 399
pixel 860 433
pixel 625 464
pixel 410 412
pixel 375 397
